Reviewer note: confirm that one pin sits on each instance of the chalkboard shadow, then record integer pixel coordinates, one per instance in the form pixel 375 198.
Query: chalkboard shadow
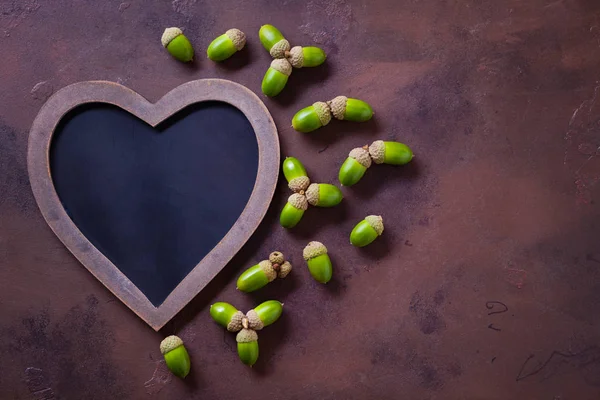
pixel 154 201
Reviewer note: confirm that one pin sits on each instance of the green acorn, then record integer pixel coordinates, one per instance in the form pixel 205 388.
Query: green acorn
pixel 310 56
pixel 312 117
pixel 273 41
pixel 355 166
pixel 319 263
pixel 247 346
pixel 393 153
pixel 264 272
pixel 294 210
pixel 366 231
pixel 323 195
pixel 295 174
pixel 344 108
pixel 226 45
pixel 176 356
pixel 268 312
pixel 276 77
pixel 227 316
pixel 177 44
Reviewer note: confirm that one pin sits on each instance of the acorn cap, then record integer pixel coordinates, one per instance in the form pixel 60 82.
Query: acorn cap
pixel 284 269
pixel 299 183
pixel 282 65
pixel 314 249
pixel 237 37
pixel 278 50
pixel 298 201
pixel 338 107
pixel 246 336
pixel 170 34
pixel 236 322
pixel 296 57
pixel 170 343
pixel 377 151
pixel 312 194
pixel 254 321
pixel 376 223
pixel 276 257
pixel 267 268
pixel 362 156
pixel 323 112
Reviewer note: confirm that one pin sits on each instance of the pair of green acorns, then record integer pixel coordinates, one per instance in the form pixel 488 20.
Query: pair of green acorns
pixel 177 357
pixel 219 49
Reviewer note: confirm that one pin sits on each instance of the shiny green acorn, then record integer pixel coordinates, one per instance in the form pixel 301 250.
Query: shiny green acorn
pixel 323 195
pixel 312 117
pixel 301 57
pixel 345 108
pixel 177 44
pixel 319 263
pixel 295 174
pixel 176 356
pixel 264 272
pixel 294 210
pixel 227 316
pixel 268 311
pixel 366 231
pixel 247 346
pixel 393 153
pixel 355 166
pixel 226 45
pixel 276 77
pixel 272 40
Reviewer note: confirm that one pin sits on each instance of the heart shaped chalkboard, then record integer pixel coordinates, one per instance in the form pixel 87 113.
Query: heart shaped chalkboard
pixel 154 199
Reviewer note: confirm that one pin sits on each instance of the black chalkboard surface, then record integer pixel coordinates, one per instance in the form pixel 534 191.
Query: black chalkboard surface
pixel 154 201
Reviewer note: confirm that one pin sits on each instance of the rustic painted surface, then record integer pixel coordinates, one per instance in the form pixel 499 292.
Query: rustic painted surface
pixel 485 284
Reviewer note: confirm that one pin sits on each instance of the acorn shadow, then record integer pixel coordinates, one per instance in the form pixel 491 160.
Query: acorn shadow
pixel 270 339
pixel 316 218
pixel 300 80
pixel 379 248
pixel 367 131
pixel 380 175
pixel 238 60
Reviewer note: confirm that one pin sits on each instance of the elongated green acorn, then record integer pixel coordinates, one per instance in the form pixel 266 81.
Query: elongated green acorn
pixel 272 40
pixel 268 312
pixel 355 166
pixel 312 117
pixel 319 263
pixel 323 195
pixel 247 346
pixel 294 210
pixel 366 231
pixel 176 356
pixel 393 153
pixel 295 174
pixel 177 44
pixel 264 272
pixel 276 77
pixel 301 57
pixel 345 108
pixel 227 316
pixel 226 45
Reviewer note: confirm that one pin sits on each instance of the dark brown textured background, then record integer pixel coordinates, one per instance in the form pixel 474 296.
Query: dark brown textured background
pixel 498 101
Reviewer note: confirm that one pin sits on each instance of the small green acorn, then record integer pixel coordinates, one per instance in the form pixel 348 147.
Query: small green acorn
pixel 177 44
pixel 312 117
pixel 345 108
pixel 310 56
pixel 176 356
pixel 355 166
pixel 268 312
pixel 247 346
pixel 393 153
pixel 276 77
pixel 366 231
pixel 272 40
pixel 319 263
pixel 323 195
pixel 264 272
pixel 227 316
pixel 294 210
pixel 226 45
pixel 295 174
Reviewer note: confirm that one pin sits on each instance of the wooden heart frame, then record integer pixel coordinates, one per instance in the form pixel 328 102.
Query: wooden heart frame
pixel 38 160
